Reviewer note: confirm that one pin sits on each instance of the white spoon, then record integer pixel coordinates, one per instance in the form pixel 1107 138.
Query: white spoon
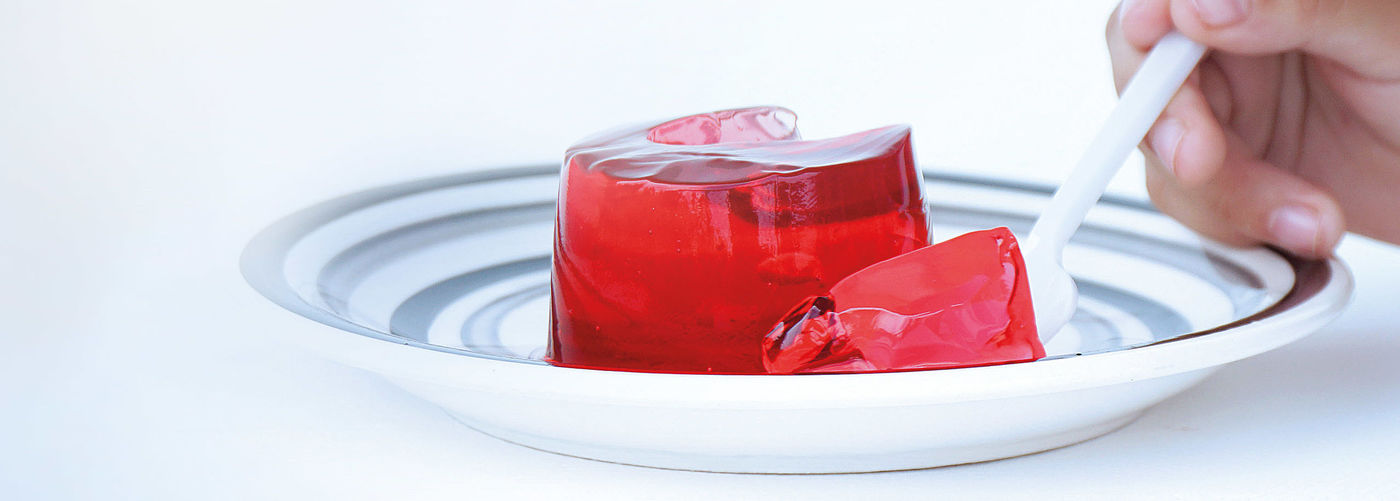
pixel 1053 292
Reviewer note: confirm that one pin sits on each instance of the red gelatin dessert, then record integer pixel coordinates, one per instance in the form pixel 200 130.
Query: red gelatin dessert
pixel 961 303
pixel 678 246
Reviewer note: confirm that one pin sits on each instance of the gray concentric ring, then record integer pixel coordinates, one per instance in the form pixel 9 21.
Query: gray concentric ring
pixel 353 265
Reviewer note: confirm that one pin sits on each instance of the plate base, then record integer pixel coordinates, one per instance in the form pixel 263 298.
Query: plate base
pixel 804 465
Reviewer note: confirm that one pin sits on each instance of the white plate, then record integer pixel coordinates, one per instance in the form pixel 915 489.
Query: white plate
pixel 441 285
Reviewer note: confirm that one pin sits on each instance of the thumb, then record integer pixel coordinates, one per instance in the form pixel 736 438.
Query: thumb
pixel 1360 34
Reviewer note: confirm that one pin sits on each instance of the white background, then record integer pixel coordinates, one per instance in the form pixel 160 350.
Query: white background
pixel 142 143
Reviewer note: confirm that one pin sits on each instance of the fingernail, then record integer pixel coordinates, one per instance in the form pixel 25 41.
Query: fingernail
pixel 1221 13
pixel 1295 228
pixel 1166 139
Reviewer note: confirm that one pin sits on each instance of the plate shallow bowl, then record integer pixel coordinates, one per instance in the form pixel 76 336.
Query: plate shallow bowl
pixel 441 285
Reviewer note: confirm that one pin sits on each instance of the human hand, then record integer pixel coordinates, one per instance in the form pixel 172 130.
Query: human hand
pixel 1288 132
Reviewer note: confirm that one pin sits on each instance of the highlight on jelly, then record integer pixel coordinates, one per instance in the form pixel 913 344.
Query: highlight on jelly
pixel 679 246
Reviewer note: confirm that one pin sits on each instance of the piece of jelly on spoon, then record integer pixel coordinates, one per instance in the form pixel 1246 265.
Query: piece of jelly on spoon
pixel 961 303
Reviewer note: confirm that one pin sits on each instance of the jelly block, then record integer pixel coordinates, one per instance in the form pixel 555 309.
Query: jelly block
pixel 678 246
pixel 960 303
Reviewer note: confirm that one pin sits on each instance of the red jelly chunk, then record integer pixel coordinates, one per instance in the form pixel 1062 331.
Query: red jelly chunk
pixel 960 303
pixel 678 246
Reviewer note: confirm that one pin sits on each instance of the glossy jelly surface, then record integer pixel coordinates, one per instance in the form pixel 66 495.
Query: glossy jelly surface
pixel 960 303
pixel 678 246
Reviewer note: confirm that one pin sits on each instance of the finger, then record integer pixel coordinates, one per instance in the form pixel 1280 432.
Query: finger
pixel 1246 93
pixel 1125 57
pixel 1143 22
pixel 1188 140
pixel 1250 201
pixel 1360 34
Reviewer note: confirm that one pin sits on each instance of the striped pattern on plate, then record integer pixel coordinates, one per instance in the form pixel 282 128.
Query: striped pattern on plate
pixel 461 264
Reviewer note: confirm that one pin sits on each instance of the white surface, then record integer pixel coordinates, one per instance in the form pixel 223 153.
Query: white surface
pixel 141 144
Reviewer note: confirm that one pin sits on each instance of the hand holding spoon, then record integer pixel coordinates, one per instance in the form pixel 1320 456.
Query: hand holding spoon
pixel 964 302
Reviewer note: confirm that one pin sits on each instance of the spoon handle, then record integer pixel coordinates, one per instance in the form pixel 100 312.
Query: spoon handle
pixel 1147 94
